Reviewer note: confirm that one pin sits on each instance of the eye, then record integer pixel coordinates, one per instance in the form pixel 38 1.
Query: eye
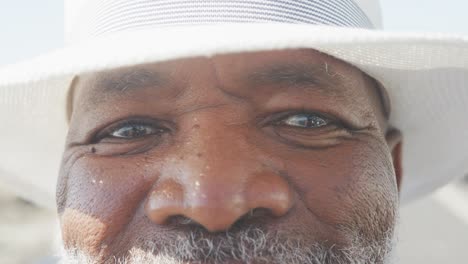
pixel 308 130
pixel 131 131
pixel 304 120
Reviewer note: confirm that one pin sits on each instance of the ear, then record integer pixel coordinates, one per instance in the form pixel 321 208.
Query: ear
pixel 394 140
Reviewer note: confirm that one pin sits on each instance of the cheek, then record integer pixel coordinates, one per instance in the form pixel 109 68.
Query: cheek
pixel 82 231
pixel 103 194
pixel 341 184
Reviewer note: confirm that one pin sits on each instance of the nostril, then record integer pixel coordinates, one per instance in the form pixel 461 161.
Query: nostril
pixel 271 191
pixel 181 220
pixel 258 213
pixel 255 217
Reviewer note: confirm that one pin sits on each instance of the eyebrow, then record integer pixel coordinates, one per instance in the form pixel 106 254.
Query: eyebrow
pixel 122 81
pixel 322 77
pixel 291 74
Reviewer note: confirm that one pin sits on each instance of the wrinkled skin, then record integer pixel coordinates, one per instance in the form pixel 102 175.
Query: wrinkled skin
pixel 220 143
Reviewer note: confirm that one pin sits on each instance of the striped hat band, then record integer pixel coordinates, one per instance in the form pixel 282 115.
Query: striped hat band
pixel 106 16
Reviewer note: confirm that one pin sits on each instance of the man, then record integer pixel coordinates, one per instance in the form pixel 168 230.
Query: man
pixel 246 139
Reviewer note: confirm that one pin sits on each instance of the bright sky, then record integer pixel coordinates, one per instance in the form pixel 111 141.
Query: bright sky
pixel 31 27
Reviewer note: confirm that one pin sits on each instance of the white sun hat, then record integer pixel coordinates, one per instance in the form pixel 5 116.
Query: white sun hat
pixel 426 75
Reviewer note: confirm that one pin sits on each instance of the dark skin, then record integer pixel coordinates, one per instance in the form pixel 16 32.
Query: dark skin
pixel 295 138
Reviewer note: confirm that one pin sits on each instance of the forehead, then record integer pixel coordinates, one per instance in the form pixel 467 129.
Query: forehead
pixel 242 74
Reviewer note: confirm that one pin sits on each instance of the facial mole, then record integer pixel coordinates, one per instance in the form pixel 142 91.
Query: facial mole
pixel 199 155
pixel 196 126
pixel 93 150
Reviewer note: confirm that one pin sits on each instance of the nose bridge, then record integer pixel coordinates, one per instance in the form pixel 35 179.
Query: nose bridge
pixel 219 164
pixel 217 174
pixel 217 144
pixel 217 148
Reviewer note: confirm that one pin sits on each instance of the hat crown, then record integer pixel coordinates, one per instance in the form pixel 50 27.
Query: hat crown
pixel 89 18
pixel 372 10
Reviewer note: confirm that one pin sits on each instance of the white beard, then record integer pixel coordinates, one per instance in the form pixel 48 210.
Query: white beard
pixel 250 246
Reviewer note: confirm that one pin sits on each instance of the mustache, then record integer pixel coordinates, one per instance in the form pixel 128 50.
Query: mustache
pixel 244 245
pixel 252 245
pixel 247 241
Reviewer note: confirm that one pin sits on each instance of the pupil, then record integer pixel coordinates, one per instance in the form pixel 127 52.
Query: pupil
pixel 315 121
pixel 135 131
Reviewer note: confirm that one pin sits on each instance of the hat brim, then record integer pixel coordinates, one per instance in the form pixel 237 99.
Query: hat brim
pixel 426 76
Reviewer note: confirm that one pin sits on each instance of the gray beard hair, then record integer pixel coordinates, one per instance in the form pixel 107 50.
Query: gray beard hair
pixel 251 245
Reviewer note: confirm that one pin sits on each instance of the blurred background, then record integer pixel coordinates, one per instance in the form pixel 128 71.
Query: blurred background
pixel 432 230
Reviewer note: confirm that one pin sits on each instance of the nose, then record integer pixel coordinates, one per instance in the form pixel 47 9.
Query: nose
pixel 218 185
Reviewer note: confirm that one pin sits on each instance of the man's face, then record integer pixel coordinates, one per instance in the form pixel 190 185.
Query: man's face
pixel 266 157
